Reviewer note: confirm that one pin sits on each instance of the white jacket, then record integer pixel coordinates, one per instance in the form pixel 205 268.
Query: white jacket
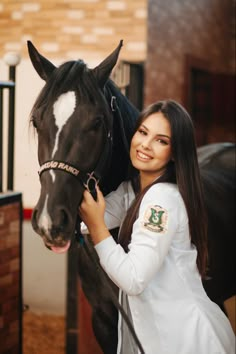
pixel 170 310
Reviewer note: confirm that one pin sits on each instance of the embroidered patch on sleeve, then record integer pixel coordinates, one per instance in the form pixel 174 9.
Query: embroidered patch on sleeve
pixel 155 219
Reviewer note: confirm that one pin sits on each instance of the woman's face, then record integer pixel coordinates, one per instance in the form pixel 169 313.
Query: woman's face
pixel 150 149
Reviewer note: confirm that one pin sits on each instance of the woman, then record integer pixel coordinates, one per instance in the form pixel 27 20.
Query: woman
pixel 162 250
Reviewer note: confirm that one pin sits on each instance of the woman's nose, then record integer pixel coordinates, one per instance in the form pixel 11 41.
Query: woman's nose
pixel 146 144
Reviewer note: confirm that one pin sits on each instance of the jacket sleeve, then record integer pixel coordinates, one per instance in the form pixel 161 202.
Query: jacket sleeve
pixel 152 235
pixel 115 207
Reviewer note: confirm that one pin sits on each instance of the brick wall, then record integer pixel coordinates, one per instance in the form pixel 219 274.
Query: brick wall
pixel 10 277
pixel 74 28
pixel 203 29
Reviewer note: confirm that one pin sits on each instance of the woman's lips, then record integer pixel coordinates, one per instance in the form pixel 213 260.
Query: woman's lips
pixel 143 156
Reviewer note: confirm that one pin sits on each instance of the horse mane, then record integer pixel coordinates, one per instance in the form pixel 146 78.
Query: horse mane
pixel 128 112
pixel 71 75
pixel 124 120
pixel 218 178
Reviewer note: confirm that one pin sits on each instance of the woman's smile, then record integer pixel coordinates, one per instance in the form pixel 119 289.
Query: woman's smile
pixel 142 156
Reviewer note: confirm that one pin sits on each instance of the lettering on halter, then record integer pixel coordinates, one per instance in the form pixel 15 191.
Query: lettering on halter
pixel 57 165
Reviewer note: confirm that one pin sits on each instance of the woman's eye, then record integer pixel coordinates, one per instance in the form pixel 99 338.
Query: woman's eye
pixel 141 131
pixel 163 142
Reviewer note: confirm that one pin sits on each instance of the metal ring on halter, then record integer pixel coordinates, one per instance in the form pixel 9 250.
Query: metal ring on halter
pixel 91 179
pixel 113 98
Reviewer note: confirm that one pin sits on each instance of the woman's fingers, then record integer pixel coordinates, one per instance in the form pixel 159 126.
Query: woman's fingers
pixel 99 193
pixel 88 200
pixel 91 211
pixel 100 197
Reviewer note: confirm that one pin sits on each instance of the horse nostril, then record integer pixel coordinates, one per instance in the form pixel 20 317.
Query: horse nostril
pixel 65 217
pixel 62 219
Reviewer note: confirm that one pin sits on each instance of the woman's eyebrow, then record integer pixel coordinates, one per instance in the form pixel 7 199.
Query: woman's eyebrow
pixel 162 135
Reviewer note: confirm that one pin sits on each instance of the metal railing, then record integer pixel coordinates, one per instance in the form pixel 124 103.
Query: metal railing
pixel 12 60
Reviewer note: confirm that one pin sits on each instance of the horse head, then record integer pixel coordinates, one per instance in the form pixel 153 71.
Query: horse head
pixel 74 127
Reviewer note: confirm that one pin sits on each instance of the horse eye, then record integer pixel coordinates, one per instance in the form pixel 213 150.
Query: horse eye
pixel 97 122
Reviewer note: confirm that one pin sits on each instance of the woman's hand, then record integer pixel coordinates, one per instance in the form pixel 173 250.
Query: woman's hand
pixel 92 213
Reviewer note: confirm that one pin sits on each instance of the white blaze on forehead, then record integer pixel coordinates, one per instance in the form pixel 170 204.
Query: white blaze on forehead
pixel 63 109
pixel 45 221
pixel 52 173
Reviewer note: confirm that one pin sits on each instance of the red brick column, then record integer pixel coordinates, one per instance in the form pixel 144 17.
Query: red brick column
pixel 10 274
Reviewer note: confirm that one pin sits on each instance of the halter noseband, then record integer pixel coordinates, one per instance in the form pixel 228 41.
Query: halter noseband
pixel 89 180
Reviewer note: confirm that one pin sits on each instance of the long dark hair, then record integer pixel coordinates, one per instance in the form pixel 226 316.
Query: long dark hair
pixel 183 170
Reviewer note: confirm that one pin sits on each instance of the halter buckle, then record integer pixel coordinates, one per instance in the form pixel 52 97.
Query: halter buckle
pixel 113 100
pixel 91 182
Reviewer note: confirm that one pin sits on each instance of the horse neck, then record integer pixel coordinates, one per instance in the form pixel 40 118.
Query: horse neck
pixel 127 111
pixel 124 119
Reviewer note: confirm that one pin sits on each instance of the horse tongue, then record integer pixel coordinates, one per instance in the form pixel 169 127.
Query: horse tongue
pixel 61 249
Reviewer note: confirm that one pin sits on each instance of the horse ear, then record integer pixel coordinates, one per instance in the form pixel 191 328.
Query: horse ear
pixel 42 65
pixel 103 70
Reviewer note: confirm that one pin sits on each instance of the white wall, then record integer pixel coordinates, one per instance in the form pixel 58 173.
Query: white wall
pixel 44 275
pixel 28 86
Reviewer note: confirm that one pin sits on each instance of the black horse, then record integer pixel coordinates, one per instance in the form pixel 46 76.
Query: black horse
pixel 84 126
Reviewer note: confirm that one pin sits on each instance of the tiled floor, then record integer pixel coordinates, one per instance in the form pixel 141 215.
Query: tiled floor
pixel 43 334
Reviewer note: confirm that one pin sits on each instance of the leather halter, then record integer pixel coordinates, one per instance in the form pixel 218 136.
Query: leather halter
pixel 89 180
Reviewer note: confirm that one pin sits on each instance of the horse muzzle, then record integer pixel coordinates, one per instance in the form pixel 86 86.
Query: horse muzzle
pixel 56 230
